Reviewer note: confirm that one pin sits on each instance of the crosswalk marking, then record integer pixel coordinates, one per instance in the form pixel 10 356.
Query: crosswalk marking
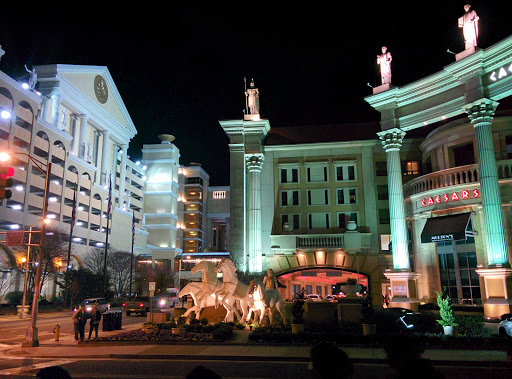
pixel 36 366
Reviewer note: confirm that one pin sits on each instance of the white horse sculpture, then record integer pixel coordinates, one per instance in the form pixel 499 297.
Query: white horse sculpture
pixel 211 286
pixel 193 289
pixel 232 288
pixel 265 299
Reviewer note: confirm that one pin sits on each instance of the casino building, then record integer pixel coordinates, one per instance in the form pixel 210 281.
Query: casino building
pixel 425 205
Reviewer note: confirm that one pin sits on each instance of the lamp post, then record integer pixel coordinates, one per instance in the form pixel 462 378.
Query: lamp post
pixel 27 261
pixel 31 336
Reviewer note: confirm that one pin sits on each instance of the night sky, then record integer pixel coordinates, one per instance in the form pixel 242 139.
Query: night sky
pixel 180 68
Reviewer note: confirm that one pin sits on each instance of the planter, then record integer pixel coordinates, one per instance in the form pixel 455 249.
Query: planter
pixel 19 307
pixel 369 329
pixel 178 331
pixel 149 330
pixel 297 328
pixel 448 330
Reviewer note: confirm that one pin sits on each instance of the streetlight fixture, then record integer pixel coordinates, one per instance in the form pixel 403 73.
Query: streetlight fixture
pixel 27 261
pixel 31 336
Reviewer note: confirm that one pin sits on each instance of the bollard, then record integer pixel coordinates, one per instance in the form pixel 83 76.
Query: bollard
pixel 56 331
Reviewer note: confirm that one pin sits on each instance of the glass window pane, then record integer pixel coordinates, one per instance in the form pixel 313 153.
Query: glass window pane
pixel 474 278
pixel 449 261
pixel 466 292
pixel 464 277
pixel 309 289
pixel 453 292
pixel 463 260
pixel 476 292
pixel 442 262
pixel 472 259
pixel 451 277
pixel 444 279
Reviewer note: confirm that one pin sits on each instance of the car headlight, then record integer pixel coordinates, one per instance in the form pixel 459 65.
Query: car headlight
pixel 88 309
pixel 162 302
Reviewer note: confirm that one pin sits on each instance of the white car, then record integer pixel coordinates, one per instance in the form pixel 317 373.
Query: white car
pixel 505 327
pixel 102 303
pixel 313 297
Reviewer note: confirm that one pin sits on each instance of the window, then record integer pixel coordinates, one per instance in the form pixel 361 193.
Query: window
pixel 318 220
pixel 508 142
pixel 345 217
pixel 293 220
pixel 289 175
pixel 385 242
pixel 318 196
pixel 383 216
pixel 289 198
pixel 382 192
pixel 346 172
pixel 295 290
pixel 194 180
pixel 319 290
pixel 346 196
pixel 381 169
pixel 317 173
pixel 309 289
pixel 463 155
pixel 411 168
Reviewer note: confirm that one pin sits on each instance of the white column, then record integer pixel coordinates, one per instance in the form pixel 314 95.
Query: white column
pixel 55 109
pixel 104 158
pixel 480 114
pixel 392 141
pixel 122 175
pixel 254 164
pixel 82 136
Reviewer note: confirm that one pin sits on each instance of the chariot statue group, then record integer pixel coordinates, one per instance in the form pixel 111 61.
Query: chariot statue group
pixel 244 301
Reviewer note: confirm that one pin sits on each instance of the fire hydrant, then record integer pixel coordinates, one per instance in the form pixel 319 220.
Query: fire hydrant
pixel 56 331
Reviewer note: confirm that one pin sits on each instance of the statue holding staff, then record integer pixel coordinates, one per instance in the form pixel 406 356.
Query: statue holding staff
pixel 469 25
pixel 32 80
pixel 384 61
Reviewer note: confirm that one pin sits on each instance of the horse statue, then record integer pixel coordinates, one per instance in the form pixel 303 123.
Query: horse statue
pixel 232 288
pixel 265 299
pixel 211 286
pixel 194 289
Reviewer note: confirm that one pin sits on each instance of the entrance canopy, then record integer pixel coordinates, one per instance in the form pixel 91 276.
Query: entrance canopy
pixel 446 228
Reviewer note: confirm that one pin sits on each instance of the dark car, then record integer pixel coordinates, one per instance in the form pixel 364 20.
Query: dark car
pixel 404 320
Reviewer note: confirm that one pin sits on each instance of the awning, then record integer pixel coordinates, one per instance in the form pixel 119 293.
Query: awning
pixel 446 228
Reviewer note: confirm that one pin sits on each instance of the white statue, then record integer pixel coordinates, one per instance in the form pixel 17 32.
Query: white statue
pixel 253 99
pixel 63 122
pixel 469 25
pixel 384 61
pixel 265 299
pixel 32 80
pixel 89 152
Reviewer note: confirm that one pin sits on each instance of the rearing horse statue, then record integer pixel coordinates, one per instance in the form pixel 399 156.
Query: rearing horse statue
pixel 232 288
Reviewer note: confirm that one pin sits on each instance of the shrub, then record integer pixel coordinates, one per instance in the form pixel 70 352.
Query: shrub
pixel 222 332
pixel 150 325
pixel 204 321
pixel 471 326
pixel 445 311
pixel 298 307
pixel 15 297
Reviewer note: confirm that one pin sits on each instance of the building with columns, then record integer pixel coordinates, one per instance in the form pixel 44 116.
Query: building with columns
pixel 424 206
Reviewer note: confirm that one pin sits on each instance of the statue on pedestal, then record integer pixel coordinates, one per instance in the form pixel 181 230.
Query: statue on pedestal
pixel 469 25
pixel 32 80
pixel 271 282
pixel 252 96
pixel 384 61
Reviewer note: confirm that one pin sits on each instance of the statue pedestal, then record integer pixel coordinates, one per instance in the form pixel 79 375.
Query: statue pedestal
pixel 403 290
pixel 252 117
pixel 498 291
pixel 466 53
pixel 382 88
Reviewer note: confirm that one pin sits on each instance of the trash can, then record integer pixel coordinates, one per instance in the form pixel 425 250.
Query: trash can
pixel 118 320
pixel 108 321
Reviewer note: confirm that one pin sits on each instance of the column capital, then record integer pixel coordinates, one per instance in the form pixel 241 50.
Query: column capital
pixel 391 139
pixel 105 133
pixel 254 162
pixel 82 116
pixel 481 111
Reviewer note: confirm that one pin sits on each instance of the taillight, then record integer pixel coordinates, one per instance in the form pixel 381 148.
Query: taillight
pixel 141 305
pixel 124 304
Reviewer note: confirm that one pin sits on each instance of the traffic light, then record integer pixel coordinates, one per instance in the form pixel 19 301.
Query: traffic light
pixel 6 182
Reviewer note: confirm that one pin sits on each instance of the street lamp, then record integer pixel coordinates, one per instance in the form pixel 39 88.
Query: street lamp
pixel 26 261
pixel 31 337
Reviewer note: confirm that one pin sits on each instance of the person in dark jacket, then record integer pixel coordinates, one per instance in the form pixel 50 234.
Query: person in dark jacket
pixel 95 321
pixel 79 320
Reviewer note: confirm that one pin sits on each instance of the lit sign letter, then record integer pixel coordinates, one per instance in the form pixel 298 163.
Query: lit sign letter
pixel 493 76
pixel 438 199
pixel 446 198
pixel 502 74
pixel 423 202
pixel 476 193
pixel 465 194
pixel 510 68
pixel 455 196
pixel 430 201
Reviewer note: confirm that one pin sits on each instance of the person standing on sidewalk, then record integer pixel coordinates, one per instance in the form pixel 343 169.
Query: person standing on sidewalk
pixel 79 320
pixel 95 321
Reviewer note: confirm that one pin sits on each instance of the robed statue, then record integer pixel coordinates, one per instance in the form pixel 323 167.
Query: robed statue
pixel 469 25
pixel 32 79
pixel 252 96
pixel 384 61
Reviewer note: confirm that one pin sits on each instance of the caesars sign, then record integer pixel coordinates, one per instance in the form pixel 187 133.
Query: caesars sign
pixel 454 196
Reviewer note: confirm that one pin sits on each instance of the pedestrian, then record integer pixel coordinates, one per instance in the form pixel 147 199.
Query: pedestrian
pixel 328 361
pixel 79 321
pixel 95 321
pixel 388 299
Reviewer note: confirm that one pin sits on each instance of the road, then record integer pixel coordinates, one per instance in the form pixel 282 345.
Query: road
pixel 12 330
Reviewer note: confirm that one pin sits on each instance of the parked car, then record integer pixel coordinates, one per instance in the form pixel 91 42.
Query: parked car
pixel 331 298
pixel 404 320
pixel 102 304
pixel 505 327
pixel 313 297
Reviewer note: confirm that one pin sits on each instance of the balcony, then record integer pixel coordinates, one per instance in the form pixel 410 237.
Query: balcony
pixel 350 241
pixel 453 176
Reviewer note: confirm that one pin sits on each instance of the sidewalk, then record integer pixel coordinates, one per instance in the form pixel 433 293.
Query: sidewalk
pixel 238 349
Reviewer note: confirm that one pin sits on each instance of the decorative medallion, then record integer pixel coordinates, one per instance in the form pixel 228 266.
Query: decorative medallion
pixel 100 89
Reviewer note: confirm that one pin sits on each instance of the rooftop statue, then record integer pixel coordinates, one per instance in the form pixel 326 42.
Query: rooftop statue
pixel 252 96
pixel 384 61
pixel 32 80
pixel 469 25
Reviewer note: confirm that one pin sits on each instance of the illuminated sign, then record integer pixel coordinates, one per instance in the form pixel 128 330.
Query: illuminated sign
pixel 501 73
pixel 454 196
